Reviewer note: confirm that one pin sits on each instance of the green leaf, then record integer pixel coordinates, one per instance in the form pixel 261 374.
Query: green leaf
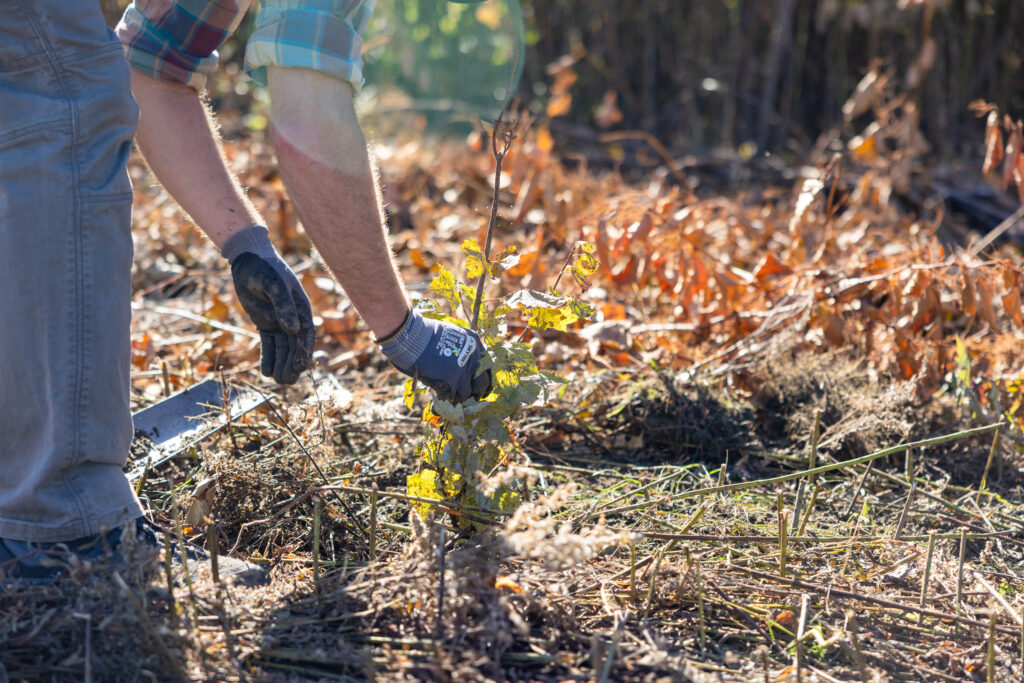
pixel 448 411
pixel 476 262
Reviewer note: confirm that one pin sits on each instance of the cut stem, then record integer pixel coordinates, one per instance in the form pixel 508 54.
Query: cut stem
pixel 927 575
pixel 316 544
pixel 988 464
pixel 373 523
pixel 960 575
pixel 906 507
pixel 212 547
pixel 782 536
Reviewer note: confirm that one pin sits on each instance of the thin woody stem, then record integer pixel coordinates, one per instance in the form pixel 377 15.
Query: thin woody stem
pixel 498 157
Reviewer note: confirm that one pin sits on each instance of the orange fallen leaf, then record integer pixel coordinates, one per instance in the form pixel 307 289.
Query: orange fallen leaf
pixel 509 583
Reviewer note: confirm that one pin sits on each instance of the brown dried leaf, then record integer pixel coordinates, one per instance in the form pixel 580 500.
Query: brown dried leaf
pixel 835 330
pixel 771 266
pixel 968 297
pixel 864 95
pixel 558 105
pixel 608 112
pixel 1013 147
pixel 1011 304
pixel 993 143
pixel 985 302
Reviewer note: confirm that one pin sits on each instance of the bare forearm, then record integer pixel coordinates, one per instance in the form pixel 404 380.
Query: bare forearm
pixel 178 140
pixel 326 168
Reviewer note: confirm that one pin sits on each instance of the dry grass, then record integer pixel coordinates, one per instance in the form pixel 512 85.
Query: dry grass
pixel 631 561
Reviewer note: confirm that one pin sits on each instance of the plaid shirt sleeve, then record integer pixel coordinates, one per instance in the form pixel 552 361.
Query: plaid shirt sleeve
pixel 177 40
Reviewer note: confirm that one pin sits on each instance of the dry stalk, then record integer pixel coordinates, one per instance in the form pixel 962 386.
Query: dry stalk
pixel 169 571
pixel 927 574
pixel 373 523
pixel 226 405
pixel 988 464
pixel 702 622
pixel 998 597
pixel 170 662
pixel 612 649
pixel 851 620
pixel 212 548
pixel 810 507
pixel 439 623
pixel 316 544
pixel 166 378
pixel 812 462
pixel 906 507
pixel 960 575
pixel 800 637
pixel 654 578
pixel 990 657
pixel 771 481
pixel 782 535
pixel 632 572
pixel 861 597
pixel 856 491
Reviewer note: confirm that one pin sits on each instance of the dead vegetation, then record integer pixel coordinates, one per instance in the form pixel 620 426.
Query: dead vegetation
pixel 673 531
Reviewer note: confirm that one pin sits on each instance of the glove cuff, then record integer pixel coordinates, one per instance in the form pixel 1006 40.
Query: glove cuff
pixel 404 347
pixel 254 240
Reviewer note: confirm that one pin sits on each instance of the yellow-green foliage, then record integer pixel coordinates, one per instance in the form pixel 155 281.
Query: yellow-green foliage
pixel 461 440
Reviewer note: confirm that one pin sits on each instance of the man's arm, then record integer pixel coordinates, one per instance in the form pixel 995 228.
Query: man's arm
pixel 325 165
pixel 177 137
pixel 322 155
pixel 179 141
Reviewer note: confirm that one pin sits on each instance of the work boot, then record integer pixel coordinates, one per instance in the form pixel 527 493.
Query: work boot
pixel 22 562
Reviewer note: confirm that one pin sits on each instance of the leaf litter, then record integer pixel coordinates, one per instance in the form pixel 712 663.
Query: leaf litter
pixel 730 327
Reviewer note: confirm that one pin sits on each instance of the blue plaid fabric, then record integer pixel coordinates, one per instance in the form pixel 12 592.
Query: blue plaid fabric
pixel 177 40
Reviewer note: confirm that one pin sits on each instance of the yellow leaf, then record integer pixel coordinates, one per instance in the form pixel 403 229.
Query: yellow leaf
pixel 218 310
pixel 476 264
pixel 410 393
pixel 423 485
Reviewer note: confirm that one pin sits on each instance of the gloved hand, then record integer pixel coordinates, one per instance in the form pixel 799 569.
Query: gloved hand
pixel 443 356
pixel 275 301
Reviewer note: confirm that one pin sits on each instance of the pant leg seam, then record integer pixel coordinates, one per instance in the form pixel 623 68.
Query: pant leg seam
pixel 78 257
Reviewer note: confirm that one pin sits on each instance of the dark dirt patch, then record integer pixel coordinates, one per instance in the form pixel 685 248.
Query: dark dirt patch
pixel 860 411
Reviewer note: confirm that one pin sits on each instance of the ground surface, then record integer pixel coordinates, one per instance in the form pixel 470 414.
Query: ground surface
pixel 732 324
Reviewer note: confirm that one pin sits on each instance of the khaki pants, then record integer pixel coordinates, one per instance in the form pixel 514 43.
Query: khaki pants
pixel 66 123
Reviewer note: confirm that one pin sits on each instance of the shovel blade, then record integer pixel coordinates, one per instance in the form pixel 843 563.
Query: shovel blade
pixel 165 429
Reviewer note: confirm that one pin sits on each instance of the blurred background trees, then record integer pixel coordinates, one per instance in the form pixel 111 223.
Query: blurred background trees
pixel 707 74
pixel 702 75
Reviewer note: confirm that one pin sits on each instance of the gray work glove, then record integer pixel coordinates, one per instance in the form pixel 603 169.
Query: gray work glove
pixel 275 301
pixel 442 355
